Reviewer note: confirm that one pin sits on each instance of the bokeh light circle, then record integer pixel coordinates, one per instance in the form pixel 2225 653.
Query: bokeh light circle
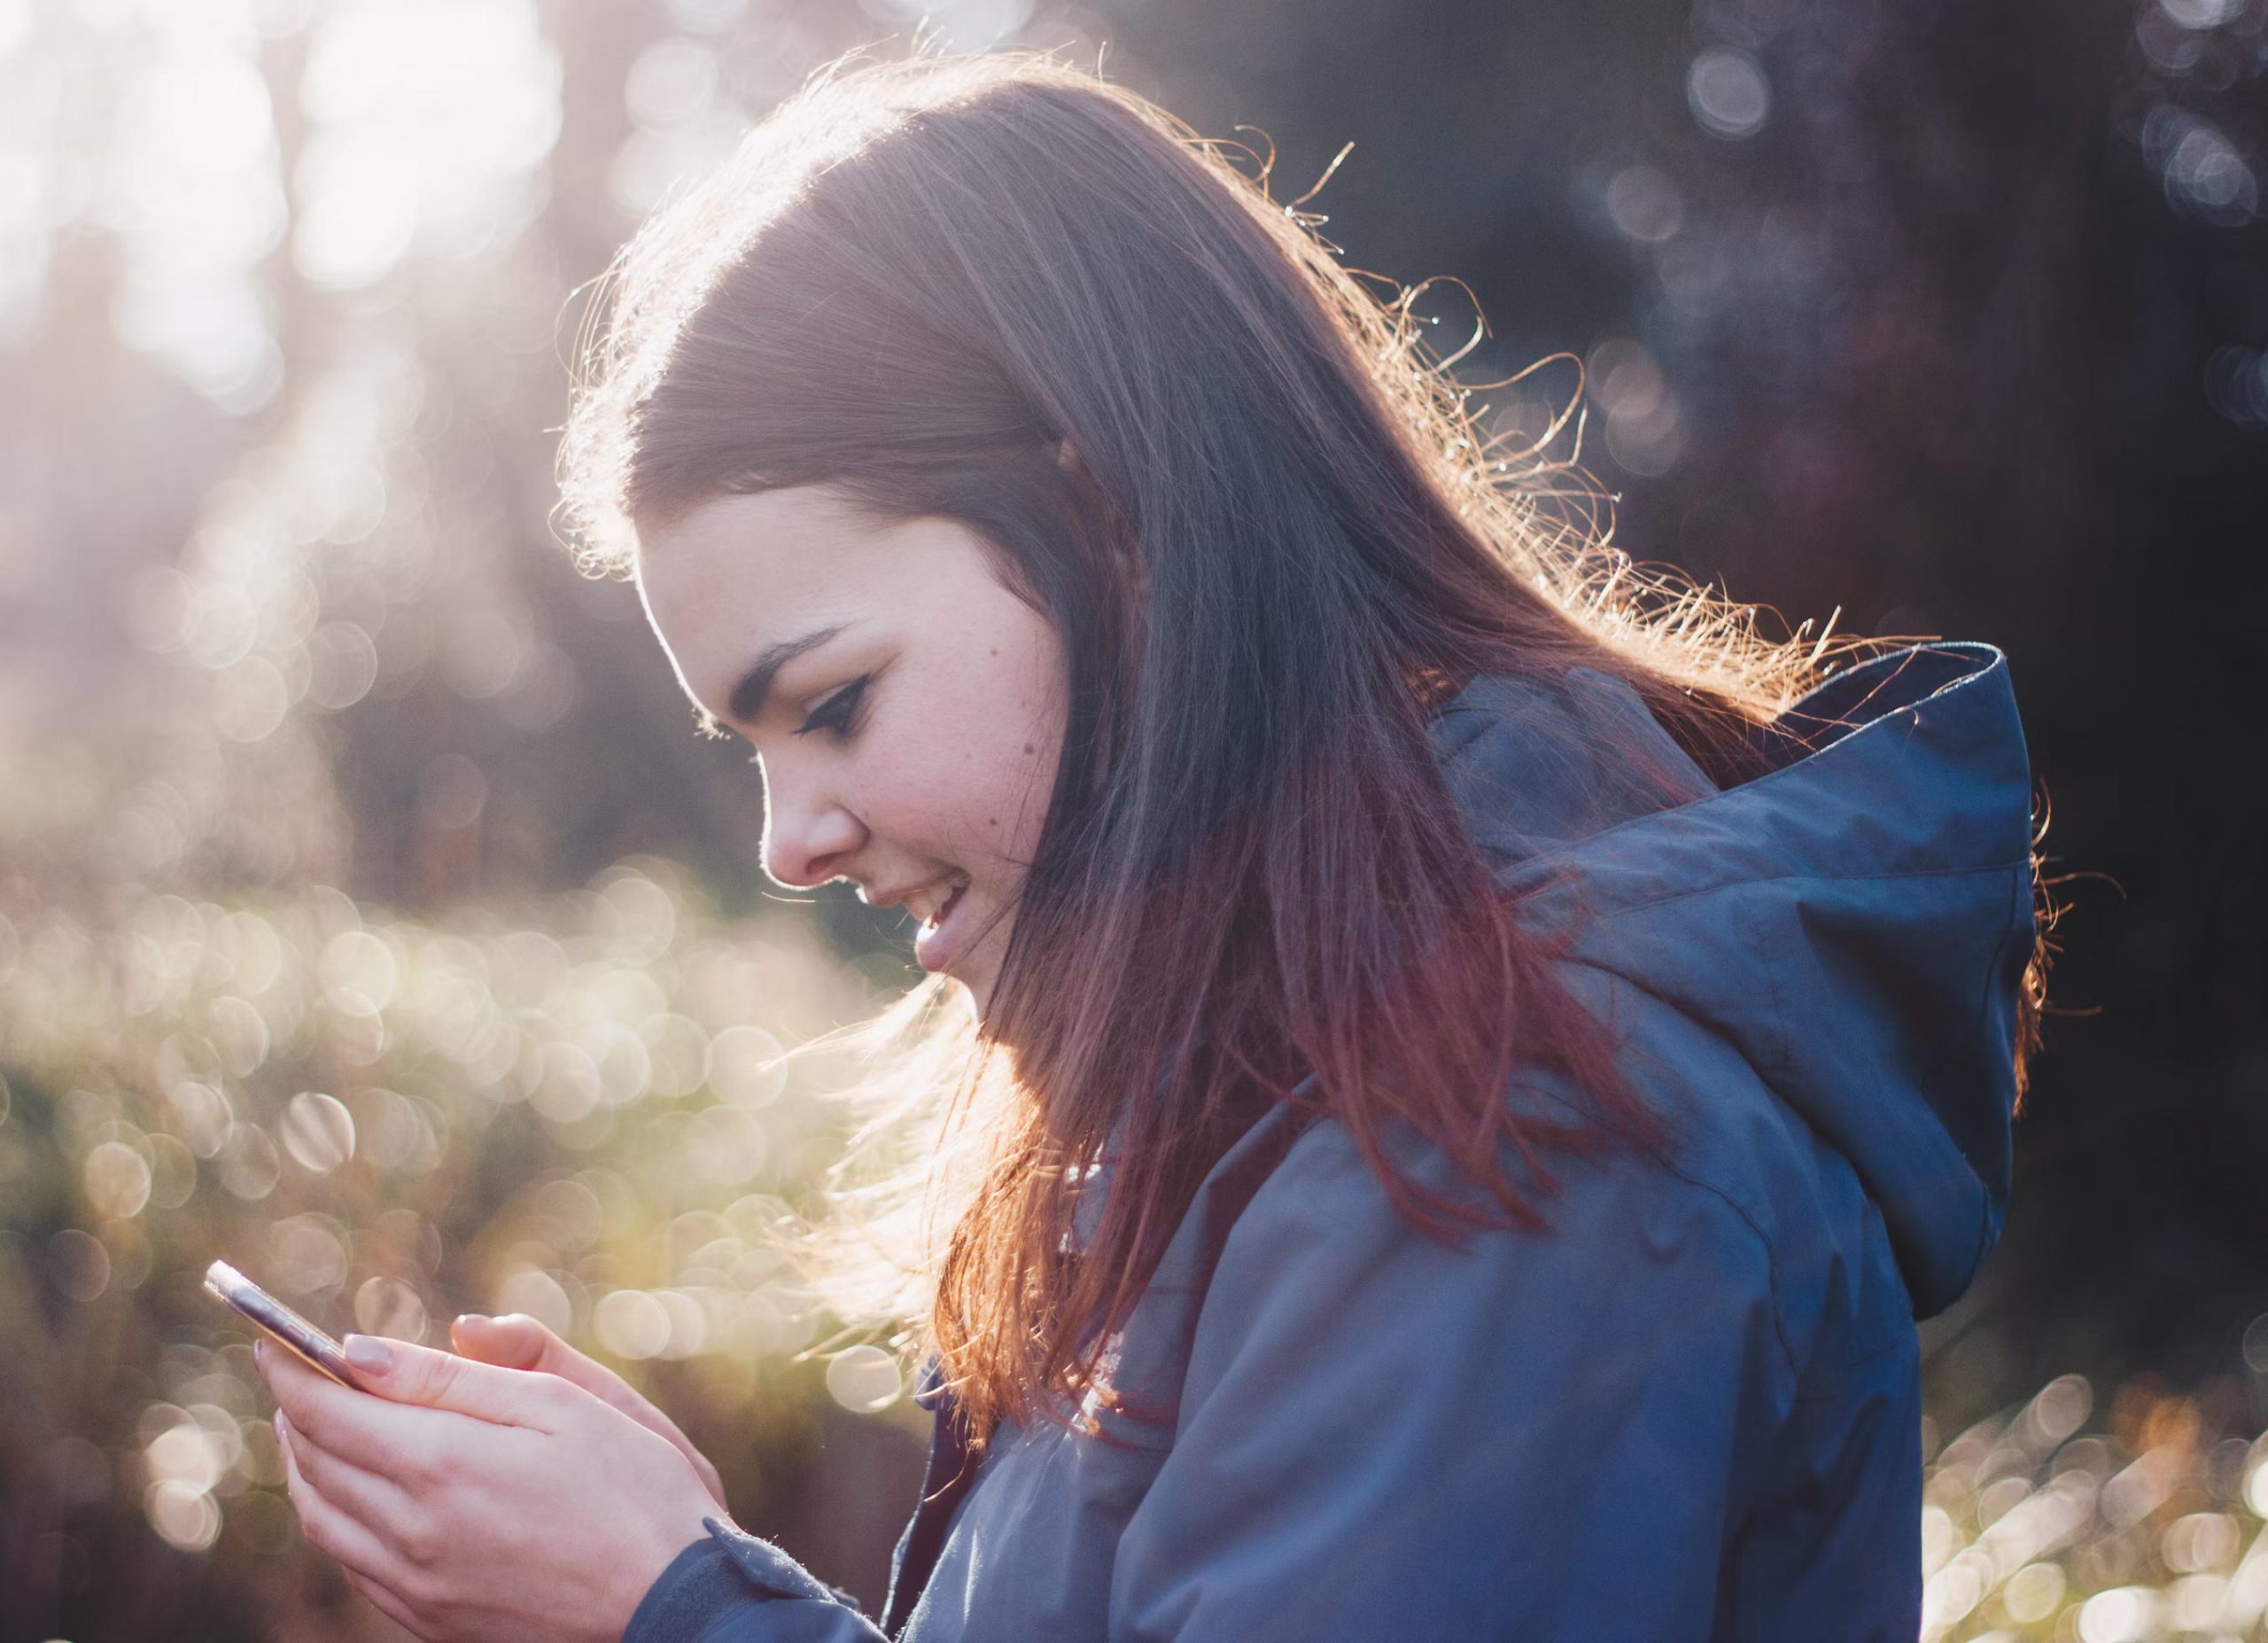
pixel 864 1379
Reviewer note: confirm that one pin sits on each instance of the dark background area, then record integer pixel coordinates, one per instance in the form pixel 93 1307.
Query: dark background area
pixel 1970 356
pixel 1965 339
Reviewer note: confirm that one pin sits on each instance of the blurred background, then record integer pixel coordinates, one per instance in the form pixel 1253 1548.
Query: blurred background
pixel 371 916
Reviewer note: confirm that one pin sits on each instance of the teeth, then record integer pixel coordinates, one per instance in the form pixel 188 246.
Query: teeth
pixel 930 903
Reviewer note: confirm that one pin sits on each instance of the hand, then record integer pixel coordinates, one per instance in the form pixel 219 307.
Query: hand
pixel 517 1341
pixel 475 1504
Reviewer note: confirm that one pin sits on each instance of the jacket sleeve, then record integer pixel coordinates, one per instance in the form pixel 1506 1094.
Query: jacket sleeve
pixel 1382 1437
pixel 734 1588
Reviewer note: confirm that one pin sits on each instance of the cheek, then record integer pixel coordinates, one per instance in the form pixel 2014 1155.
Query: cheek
pixel 1025 746
pixel 1018 786
pixel 977 797
pixel 979 765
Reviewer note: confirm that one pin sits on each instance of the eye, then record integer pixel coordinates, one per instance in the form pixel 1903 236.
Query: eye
pixel 834 714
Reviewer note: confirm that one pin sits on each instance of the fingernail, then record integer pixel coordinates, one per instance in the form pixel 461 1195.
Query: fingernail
pixel 369 1355
pixel 474 1318
pixel 276 1421
pixel 258 1361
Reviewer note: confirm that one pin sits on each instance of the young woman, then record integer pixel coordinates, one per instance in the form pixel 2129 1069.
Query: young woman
pixel 1475 1061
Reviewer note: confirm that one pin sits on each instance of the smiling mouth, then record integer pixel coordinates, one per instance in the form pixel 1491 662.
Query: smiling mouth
pixel 930 906
pixel 936 920
pixel 933 942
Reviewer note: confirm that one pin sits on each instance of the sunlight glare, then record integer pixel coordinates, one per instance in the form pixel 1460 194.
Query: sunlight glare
pixel 428 115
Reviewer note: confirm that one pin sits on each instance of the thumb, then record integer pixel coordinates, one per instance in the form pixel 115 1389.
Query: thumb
pixel 404 1373
pixel 514 1341
pixel 517 1341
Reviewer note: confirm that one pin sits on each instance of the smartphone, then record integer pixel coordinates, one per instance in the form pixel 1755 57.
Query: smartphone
pixel 317 1350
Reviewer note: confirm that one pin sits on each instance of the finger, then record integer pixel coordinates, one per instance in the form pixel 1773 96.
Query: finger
pixel 514 1341
pixel 385 1601
pixel 517 1341
pixel 328 1530
pixel 357 1551
pixel 394 1440
pixel 407 1373
pixel 370 1498
pixel 300 1391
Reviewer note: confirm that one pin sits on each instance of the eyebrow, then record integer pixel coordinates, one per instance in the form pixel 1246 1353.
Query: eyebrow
pixel 747 698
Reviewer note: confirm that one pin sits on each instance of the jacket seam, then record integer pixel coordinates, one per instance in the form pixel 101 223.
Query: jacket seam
pixel 1771 1264
pixel 1895 1343
pixel 1992 661
pixel 1782 879
pixel 1764 1241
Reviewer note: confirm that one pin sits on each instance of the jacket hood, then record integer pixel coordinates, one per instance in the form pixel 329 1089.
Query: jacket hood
pixel 1856 921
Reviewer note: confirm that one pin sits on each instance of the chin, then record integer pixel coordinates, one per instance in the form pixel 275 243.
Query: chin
pixel 977 972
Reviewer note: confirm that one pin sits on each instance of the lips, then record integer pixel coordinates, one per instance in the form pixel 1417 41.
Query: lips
pixel 935 946
pixel 928 903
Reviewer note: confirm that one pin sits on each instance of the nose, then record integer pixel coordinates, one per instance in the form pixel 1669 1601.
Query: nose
pixel 807 835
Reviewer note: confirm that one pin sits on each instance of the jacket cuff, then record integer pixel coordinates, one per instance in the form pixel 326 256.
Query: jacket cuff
pixel 712 1575
pixel 771 1570
pixel 700 1584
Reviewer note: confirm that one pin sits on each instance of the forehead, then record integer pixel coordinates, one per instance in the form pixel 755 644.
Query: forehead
pixel 769 550
pixel 734 575
pixel 746 571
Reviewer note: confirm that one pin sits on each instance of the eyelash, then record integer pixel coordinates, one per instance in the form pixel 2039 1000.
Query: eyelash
pixel 834 714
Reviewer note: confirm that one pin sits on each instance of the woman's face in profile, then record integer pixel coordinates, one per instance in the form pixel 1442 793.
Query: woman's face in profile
pixel 907 709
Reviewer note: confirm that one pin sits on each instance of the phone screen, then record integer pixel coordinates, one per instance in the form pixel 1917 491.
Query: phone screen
pixel 319 1350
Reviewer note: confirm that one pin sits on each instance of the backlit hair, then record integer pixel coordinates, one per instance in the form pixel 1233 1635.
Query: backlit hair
pixel 1284 540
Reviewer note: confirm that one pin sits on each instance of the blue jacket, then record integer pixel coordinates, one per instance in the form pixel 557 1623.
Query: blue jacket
pixel 1691 1409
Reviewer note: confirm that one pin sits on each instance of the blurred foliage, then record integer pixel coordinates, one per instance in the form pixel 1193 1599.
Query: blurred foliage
pixel 370 917
pixel 2145 1523
pixel 577 1108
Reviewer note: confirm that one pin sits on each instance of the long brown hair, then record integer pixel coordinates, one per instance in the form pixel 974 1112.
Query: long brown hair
pixel 1273 539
